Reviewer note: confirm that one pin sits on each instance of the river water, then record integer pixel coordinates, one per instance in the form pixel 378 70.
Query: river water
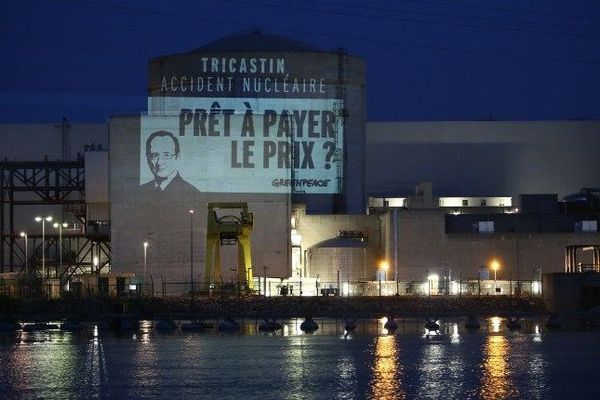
pixel 492 363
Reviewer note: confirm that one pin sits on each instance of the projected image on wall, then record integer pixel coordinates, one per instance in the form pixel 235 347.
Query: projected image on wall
pixel 163 153
pixel 240 145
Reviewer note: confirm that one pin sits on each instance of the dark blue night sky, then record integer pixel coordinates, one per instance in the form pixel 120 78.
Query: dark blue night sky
pixel 427 60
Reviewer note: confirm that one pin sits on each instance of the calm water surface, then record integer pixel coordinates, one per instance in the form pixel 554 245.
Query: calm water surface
pixel 493 363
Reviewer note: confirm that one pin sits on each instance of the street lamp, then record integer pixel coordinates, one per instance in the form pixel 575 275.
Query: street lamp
pixel 495 265
pixel 432 280
pixel 60 248
pixel 145 259
pixel 43 220
pixel 192 251
pixel 24 236
pixel 384 266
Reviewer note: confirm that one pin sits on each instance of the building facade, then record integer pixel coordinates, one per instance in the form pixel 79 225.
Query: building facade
pixel 280 126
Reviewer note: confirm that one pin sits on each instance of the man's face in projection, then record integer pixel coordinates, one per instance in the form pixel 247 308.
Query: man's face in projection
pixel 162 158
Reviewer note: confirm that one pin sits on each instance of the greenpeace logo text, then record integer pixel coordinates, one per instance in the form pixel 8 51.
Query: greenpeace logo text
pixel 300 183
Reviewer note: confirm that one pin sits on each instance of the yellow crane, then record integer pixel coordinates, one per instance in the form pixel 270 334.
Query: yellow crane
pixel 229 230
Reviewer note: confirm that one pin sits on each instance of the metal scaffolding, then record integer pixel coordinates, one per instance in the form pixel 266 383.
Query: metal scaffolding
pixel 48 183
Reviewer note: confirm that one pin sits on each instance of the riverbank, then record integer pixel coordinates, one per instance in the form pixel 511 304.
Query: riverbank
pixel 273 307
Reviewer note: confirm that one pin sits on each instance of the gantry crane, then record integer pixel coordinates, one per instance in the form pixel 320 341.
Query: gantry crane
pixel 229 230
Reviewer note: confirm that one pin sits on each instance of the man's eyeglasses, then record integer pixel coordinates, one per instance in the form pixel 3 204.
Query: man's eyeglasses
pixel 164 156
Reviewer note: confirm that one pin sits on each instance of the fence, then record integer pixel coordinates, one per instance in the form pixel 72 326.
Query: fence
pixel 133 287
pixel 273 287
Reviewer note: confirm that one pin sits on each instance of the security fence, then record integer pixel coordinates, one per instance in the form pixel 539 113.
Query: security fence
pixel 150 287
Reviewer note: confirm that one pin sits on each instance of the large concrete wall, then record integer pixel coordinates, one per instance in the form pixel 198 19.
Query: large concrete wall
pixel 491 158
pixel 165 223
pixel 424 247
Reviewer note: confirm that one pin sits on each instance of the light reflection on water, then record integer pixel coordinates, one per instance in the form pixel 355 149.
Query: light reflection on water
pixel 494 324
pixel 455 336
pixel 95 373
pixel 496 380
pixel 493 363
pixel 144 369
pixel 441 372
pixel 386 380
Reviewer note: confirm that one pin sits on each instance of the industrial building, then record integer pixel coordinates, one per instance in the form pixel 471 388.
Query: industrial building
pixel 271 134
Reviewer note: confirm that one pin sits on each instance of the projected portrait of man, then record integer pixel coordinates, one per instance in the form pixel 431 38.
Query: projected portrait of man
pixel 162 154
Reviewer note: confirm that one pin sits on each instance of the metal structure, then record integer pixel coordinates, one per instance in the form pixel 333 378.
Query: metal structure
pixel 48 183
pixel 571 264
pixel 229 230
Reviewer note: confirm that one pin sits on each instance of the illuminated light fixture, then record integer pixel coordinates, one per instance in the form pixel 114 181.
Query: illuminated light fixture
pixel 432 282
pixel 454 287
pixel 24 236
pixel 59 226
pixel 384 265
pixel 345 289
pixel 495 265
pixel 145 259
pixel 43 220
pixel 296 238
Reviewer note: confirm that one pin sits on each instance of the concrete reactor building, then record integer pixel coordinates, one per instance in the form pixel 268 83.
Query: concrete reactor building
pixel 251 119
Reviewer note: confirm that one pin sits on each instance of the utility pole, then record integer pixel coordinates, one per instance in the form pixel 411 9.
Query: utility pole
pixel 64 130
pixel 191 253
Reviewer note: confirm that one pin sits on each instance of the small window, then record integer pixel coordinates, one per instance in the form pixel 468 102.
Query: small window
pixel 486 227
pixel 589 226
pixel 465 203
pixel 483 202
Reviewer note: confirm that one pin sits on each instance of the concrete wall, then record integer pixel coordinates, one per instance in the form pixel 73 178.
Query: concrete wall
pixel 165 223
pixel 519 222
pixel 424 247
pixel 491 158
pixel 571 292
